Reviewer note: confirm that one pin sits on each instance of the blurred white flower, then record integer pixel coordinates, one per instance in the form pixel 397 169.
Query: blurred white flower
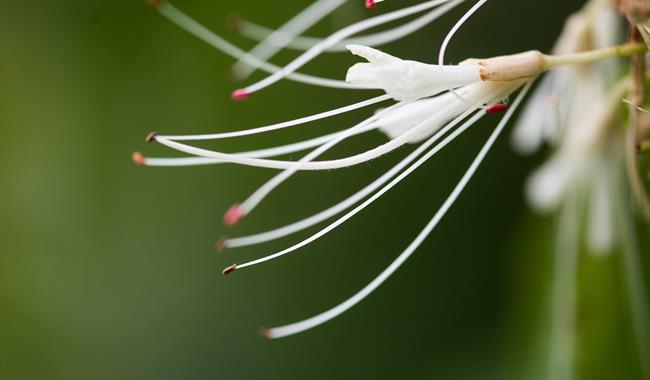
pixel 572 110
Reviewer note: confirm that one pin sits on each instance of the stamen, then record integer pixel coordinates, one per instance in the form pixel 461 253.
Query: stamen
pixel 151 136
pixel 154 3
pixel 309 323
pixel 269 186
pixel 373 198
pixel 327 213
pixel 452 31
pixel 496 107
pixel 317 165
pixel 260 153
pixel 285 34
pixel 240 94
pixel 234 214
pixel 229 269
pixel 257 32
pixel 285 124
pixel 264 332
pixel 314 219
pixel 339 36
pixel 220 245
pixel 190 25
pixel 138 158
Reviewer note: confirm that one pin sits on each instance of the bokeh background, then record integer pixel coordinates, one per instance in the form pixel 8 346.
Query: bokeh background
pixel 108 270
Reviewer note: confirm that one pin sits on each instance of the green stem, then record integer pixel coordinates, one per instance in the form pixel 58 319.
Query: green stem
pixel 551 61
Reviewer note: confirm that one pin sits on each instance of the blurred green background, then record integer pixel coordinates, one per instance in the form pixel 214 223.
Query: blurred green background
pixel 108 270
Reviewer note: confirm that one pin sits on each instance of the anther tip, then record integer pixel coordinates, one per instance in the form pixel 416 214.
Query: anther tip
pixel 240 94
pixel 370 4
pixel 229 269
pixel 151 137
pixel 234 22
pixel 155 3
pixel 138 158
pixel 496 107
pixel 233 215
pixel 264 332
pixel 220 245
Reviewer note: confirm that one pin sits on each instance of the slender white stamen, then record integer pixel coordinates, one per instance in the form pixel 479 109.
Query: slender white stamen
pixel 285 124
pixel 285 34
pixel 249 204
pixel 257 32
pixel 260 153
pixel 309 323
pixel 452 31
pixel 337 37
pixel 325 214
pixel 237 242
pixel 184 21
pixel 482 89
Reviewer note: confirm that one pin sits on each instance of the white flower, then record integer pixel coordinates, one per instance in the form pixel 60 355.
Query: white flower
pixel 572 109
pixel 404 79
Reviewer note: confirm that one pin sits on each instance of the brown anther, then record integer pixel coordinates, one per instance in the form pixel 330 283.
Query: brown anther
pixel 220 245
pixel 151 136
pixel 234 22
pixel 138 158
pixel 230 269
pixel 264 332
pixel 155 3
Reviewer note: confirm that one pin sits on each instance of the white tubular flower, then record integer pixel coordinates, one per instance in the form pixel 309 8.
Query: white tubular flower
pixel 445 107
pixel 407 80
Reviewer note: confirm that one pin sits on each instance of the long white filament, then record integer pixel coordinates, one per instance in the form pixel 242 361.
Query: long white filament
pixel 448 37
pixel 454 29
pixel 284 124
pixel 327 213
pixel 315 165
pixel 254 199
pixel 259 153
pixel 284 164
pixel 337 37
pixel 309 323
pixel 374 197
pixel 278 39
pixel 258 32
pixel 190 25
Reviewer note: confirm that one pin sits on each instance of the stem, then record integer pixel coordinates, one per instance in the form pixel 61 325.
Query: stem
pixel 551 61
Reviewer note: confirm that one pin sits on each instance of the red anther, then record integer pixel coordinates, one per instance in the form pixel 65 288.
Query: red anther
pixel 220 245
pixel 230 269
pixel 137 158
pixel 370 4
pixel 496 107
pixel 151 136
pixel 233 215
pixel 240 94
